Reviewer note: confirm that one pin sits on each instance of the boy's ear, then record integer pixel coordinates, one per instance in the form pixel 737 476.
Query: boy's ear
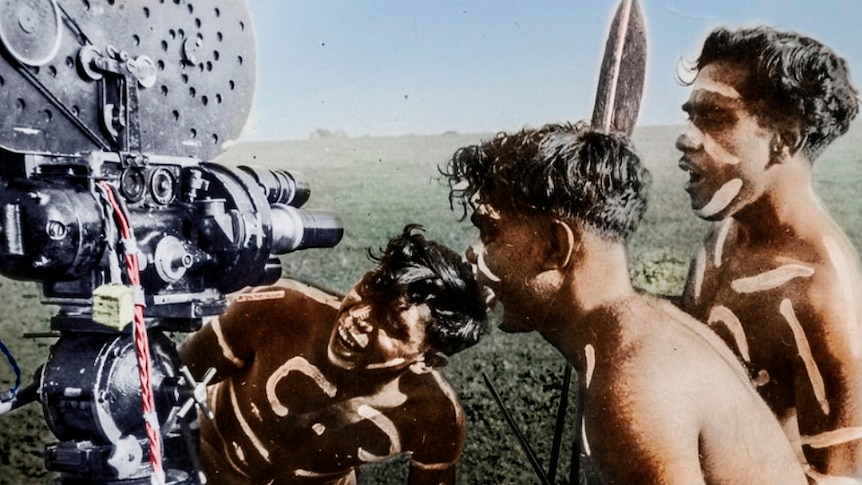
pixel 432 360
pixel 561 245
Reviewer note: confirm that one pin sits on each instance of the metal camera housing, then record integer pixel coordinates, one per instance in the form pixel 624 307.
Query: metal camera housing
pixel 131 102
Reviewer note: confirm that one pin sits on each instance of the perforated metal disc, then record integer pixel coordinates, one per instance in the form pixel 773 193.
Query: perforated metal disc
pixel 30 30
pixel 205 67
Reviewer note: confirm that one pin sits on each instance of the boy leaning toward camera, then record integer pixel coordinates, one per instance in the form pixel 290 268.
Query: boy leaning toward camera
pixel 311 386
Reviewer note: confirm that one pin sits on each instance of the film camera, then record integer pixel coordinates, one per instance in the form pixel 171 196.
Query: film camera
pixel 114 111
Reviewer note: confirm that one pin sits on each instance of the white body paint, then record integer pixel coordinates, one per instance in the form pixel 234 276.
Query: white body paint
pixel 222 343
pixel 296 364
pixel 721 199
pixel 699 271
pixel 772 278
pixel 841 265
pixel 805 354
pixel 246 428
pixel 722 315
pixel 590 354
pixel 483 268
pixel 720 240
pixel 712 86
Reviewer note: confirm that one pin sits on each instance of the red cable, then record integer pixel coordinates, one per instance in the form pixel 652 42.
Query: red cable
pixel 142 345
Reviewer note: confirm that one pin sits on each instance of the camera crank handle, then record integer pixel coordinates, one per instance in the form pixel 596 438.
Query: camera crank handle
pixel 198 392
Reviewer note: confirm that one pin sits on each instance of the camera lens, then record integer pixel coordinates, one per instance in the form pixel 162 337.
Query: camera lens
pixel 280 186
pixel 294 229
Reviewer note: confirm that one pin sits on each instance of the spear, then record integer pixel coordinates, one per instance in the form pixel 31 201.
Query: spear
pixel 616 107
pixel 618 99
pixel 621 79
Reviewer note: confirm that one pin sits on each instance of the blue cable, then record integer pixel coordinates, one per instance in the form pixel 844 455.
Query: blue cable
pixel 14 365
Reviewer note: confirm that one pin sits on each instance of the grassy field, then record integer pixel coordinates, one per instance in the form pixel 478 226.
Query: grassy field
pixel 377 185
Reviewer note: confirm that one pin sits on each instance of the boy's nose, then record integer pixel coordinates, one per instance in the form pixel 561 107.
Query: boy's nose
pixel 689 140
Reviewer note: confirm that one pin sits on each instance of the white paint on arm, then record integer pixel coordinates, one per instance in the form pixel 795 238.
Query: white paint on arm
pixel 384 424
pixel 804 349
pixel 845 281
pixel 226 351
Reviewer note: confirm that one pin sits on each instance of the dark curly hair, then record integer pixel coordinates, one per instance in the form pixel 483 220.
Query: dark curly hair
pixel 568 170
pixel 796 82
pixel 425 271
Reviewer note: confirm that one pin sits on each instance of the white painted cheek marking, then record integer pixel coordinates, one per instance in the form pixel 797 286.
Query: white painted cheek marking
pixel 318 428
pixel 841 265
pixel 721 199
pixel 243 424
pixel 720 240
pixel 388 364
pixel 384 424
pixel 834 437
pixel 296 364
pixel 226 351
pixel 483 268
pixel 805 354
pixel 699 271
pixel 772 278
pixel 590 354
pixel 722 315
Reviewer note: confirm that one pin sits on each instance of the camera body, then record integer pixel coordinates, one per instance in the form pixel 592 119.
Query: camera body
pixel 111 198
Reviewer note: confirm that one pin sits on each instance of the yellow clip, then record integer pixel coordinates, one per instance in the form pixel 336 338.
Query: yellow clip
pixel 113 305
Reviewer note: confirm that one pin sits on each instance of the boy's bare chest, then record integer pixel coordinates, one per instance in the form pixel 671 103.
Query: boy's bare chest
pixel 756 301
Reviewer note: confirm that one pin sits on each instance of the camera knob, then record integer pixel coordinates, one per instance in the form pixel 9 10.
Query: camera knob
pixel 197 392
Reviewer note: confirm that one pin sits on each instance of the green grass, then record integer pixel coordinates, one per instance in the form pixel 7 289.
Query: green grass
pixel 376 186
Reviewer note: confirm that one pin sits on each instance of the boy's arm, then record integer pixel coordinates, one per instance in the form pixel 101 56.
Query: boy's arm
pixel 226 342
pixel 440 433
pixel 828 380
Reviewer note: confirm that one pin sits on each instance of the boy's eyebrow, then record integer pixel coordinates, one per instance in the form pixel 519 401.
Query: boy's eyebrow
pixel 709 100
pixel 721 89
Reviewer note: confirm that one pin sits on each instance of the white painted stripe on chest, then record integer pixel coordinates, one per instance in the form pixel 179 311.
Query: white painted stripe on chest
pixel 246 428
pixel 772 279
pixel 833 438
pixel 590 355
pixel 804 349
pixel 723 315
pixel 296 364
pixel 720 240
pixel 699 271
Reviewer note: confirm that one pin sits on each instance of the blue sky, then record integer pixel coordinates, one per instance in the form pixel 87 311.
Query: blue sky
pixel 390 67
